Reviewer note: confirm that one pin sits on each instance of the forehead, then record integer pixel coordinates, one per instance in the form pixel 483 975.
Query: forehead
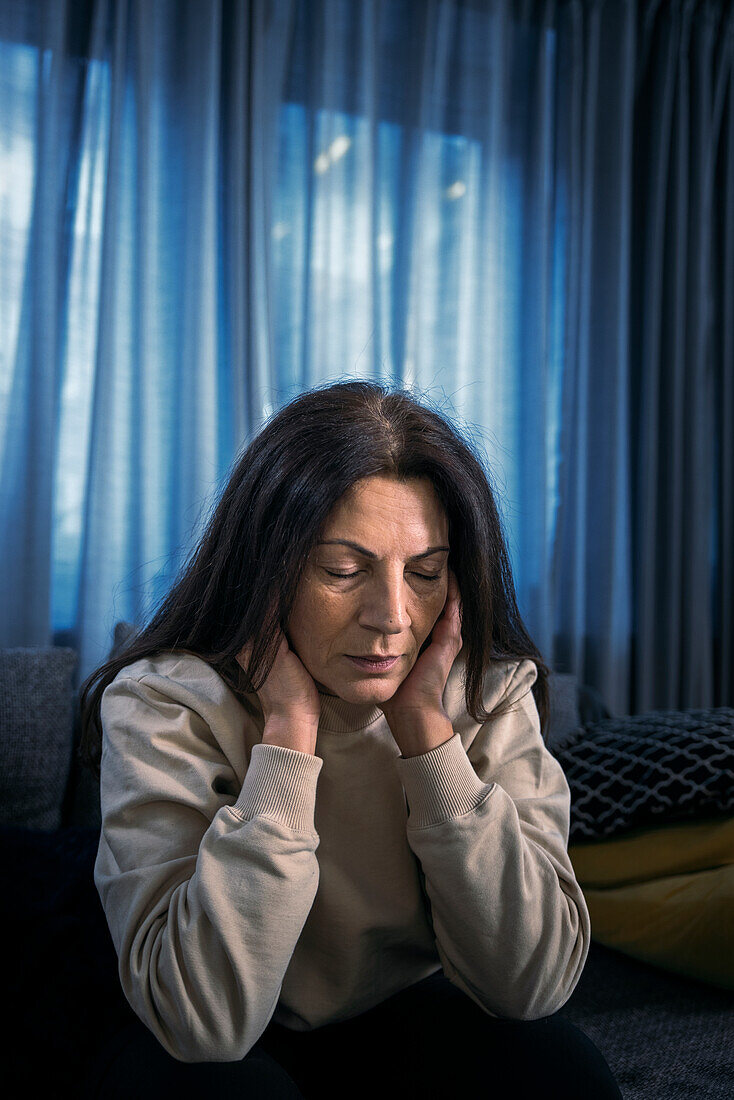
pixel 379 499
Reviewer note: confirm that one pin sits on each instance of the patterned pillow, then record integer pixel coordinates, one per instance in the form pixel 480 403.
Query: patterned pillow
pixel 648 769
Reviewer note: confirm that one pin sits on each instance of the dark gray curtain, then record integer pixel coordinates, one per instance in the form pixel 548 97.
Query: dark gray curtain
pixel 682 355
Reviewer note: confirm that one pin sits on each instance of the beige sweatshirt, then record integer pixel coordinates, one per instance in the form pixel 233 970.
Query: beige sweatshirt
pixel 243 882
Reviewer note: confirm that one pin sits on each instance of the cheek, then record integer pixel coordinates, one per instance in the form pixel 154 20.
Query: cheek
pixel 320 606
pixel 425 612
pixel 303 611
pixel 438 600
pixel 318 611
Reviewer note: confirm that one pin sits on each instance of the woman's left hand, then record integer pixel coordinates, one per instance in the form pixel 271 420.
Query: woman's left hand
pixel 422 689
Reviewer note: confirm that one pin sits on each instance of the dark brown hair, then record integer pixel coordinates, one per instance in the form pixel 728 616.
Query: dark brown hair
pixel 241 579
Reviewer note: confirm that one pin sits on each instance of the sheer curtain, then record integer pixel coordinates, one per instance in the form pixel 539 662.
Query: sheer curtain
pixel 525 211
pixel 139 149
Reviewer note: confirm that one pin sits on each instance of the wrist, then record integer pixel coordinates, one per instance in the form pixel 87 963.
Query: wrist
pixel 290 733
pixel 419 732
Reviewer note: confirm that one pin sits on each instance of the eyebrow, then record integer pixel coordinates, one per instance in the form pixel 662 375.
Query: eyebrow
pixel 370 554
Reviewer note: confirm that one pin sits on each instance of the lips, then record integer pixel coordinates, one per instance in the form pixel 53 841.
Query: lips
pixel 369 664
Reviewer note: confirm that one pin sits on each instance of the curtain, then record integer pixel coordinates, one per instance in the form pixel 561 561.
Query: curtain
pixel 524 210
pixel 136 329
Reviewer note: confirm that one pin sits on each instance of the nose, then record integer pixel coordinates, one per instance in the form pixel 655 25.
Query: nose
pixel 384 606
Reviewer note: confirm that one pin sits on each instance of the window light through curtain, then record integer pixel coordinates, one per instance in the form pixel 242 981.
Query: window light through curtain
pixel 349 300
pixel 321 288
pixel 22 67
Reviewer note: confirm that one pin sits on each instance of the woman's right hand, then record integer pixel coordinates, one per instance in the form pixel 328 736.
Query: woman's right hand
pixel 289 693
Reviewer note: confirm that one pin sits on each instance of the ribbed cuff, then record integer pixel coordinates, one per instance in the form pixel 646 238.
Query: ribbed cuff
pixel 441 784
pixel 281 784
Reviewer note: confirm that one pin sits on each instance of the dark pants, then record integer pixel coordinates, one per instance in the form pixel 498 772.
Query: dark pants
pixel 429 1041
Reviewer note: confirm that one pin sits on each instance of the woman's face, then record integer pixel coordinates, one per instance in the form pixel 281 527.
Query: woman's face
pixel 388 604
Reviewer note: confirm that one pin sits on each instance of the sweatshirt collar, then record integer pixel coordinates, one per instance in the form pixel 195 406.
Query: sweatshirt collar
pixel 339 716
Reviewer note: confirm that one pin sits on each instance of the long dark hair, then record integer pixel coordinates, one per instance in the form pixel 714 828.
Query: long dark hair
pixel 241 579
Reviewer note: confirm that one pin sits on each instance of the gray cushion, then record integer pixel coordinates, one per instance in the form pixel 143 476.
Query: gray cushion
pixel 592 707
pixel 84 804
pixel 123 634
pixel 564 719
pixel 36 734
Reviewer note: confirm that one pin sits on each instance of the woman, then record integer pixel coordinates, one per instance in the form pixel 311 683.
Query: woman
pixel 324 873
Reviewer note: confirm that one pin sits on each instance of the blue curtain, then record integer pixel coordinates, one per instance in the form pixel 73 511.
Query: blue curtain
pixel 524 210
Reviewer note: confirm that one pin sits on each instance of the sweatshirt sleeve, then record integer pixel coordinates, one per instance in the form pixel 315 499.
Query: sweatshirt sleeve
pixel 490 829
pixel 205 895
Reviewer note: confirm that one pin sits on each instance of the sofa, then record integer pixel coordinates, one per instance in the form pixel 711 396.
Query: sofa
pixel 651 841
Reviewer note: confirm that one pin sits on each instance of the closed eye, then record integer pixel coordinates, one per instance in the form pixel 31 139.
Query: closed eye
pixel 422 576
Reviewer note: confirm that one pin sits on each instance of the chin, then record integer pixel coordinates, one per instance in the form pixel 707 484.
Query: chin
pixel 361 691
pixel 372 695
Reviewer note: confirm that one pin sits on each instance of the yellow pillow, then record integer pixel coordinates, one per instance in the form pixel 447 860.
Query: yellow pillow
pixel 665 895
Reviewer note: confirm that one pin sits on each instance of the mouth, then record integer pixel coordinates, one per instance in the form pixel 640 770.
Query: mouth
pixel 368 664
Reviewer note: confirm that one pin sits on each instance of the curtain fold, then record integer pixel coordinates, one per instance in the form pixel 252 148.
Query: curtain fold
pixel 592 566
pixel 36 128
pixel 524 209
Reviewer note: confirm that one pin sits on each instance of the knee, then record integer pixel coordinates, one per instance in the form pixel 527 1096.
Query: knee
pixel 137 1065
pixel 563 1058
